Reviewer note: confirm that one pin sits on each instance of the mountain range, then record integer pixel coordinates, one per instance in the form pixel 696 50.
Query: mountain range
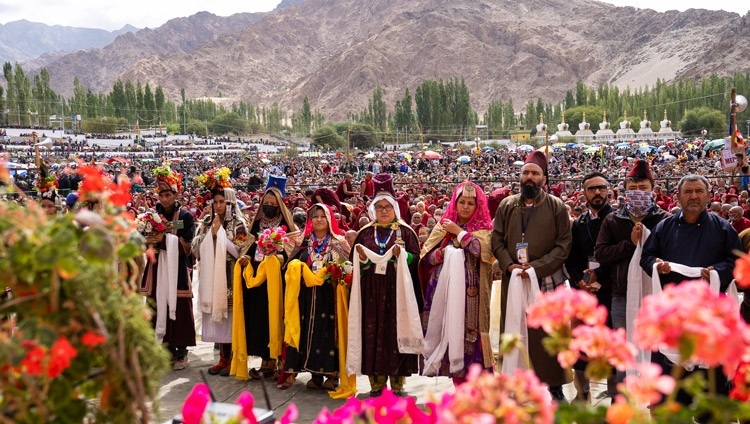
pixel 23 40
pixel 335 52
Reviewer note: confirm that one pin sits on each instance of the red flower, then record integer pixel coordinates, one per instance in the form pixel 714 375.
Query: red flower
pixel 62 353
pixel 32 363
pixel 121 193
pixel 335 271
pixel 348 279
pixel 742 271
pixel 93 182
pixel 92 339
pixel 741 383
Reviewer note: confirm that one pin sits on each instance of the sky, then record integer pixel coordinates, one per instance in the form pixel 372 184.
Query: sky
pixel 113 15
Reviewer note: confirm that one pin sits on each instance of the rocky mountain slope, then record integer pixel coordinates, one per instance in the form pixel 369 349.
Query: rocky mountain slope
pixel 336 51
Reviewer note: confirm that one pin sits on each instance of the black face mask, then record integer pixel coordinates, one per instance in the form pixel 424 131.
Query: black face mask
pixel 270 211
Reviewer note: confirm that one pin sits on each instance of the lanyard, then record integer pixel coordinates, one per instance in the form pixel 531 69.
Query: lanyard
pixel 525 223
pixel 382 243
pixel 319 247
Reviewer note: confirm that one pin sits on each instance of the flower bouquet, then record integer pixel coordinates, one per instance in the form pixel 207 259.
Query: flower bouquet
pixel 341 272
pixel 271 240
pixel 217 177
pixel 150 224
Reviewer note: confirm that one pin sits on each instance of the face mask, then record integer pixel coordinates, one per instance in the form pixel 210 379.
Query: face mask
pixel 638 202
pixel 270 211
pixel 422 238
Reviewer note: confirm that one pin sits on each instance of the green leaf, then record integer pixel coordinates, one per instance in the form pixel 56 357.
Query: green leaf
pixel 60 391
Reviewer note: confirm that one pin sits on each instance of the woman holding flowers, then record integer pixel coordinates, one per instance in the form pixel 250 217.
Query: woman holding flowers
pixel 456 266
pixel 324 251
pixel 221 239
pixel 258 317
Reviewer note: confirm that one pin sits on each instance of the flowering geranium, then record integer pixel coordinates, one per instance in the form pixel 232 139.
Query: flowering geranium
pixel 150 223
pixel 602 347
pixel 195 408
pixel 386 408
pixel 271 240
pixel 648 386
pixel 555 311
pixel 702 324
pixel 97 185
pixel 741 383
pixel 742 271
pixel 485 397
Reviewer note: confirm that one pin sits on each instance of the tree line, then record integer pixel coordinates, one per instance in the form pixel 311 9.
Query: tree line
pixel 437 109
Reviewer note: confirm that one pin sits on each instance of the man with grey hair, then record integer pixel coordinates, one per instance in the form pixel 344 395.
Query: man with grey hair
pixel 693 238
pixel 737 220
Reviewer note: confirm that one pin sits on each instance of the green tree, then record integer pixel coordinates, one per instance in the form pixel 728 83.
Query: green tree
pixel 327 137
pixel 10 95
pixel 695 120
pixel 149 105
pixel 228 122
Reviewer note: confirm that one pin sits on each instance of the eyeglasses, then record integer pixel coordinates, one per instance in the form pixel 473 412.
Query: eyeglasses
pixel 387 208
pixel 597 188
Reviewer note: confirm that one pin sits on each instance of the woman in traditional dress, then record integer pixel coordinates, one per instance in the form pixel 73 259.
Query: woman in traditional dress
pixel 221 239
pixel 456 263
pixel 272 213
pixel 385 336
pixel 323 245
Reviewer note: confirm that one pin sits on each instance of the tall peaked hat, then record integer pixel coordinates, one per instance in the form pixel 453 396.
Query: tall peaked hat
pixel 277 182
pixel 641 169
pixel 383 183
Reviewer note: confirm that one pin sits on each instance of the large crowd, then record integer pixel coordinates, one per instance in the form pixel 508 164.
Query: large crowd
pixel 411 247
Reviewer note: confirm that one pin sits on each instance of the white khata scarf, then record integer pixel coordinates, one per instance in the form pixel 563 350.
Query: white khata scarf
pixel 408 327
pixel 639 286
pixel 521 295
pixel 212 293
pixel 166 285
pixel 445 328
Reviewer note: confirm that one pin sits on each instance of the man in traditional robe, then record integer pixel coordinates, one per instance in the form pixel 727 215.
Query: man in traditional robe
pixel 532 230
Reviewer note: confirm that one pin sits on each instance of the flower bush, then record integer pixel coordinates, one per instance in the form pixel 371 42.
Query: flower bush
pixel 81 344
pixel 195 409
pixel 271 240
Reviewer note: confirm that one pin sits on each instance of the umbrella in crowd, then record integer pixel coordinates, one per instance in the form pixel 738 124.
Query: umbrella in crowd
pixel 429 154
pixel 463 159
pixel 525 147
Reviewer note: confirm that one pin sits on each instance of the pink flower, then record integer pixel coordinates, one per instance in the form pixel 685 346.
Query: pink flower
pixel 486 397
pixel 290 415
pixel 387 408
pixel 648 387
pixel 555 311
pixel 246 401
pixel 603 346
pixel 195 404
pixel 690 316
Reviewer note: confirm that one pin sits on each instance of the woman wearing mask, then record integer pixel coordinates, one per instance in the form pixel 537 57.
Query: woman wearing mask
pixel 456 266
pixel 255 305
pixel 221 239
pixel 322 245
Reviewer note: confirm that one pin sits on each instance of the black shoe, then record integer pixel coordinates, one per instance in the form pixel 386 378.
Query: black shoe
pixel 557 394
pixel 217 346
pixel 400 393
pixel 376 393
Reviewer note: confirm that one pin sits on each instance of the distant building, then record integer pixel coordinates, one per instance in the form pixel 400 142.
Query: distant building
pixel 520 134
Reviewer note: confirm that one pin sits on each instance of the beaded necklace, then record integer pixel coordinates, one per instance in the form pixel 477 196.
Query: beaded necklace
pixel 383 243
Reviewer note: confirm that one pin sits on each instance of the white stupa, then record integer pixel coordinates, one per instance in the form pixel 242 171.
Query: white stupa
pixel 666 133
pixel 645 132
pixel 584 133
pixel 625 133
pixel 605 133
pixel 562 129
pixel 541 130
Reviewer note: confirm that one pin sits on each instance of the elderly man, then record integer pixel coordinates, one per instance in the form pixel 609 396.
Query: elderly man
pixel 737 219
pixel 694 238
pixel 532 231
